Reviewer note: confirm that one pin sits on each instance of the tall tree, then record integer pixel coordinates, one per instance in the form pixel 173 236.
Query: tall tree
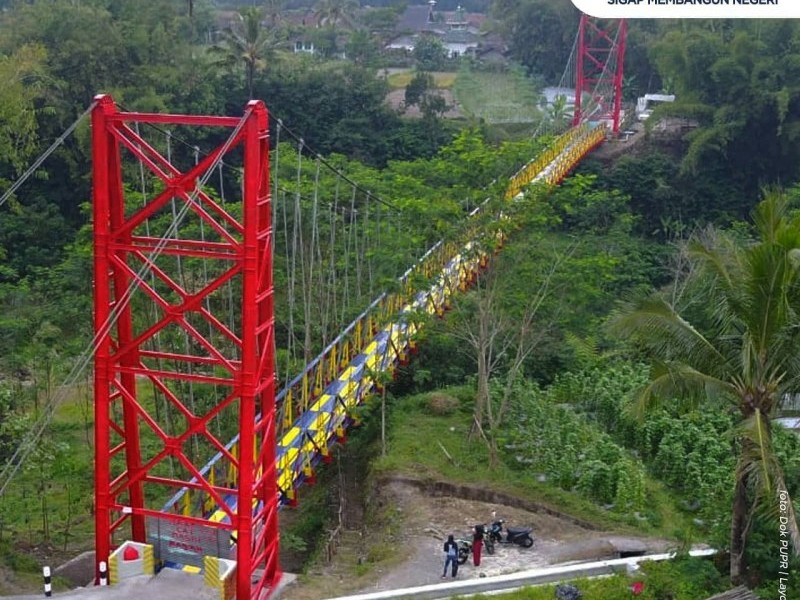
pixel 558 114
pixel 430 53
pixel 739 84
pixel 21 73
pixel 336 12
pixel 741 351
pixel 248 44
pixel 499 340
pixel 540 33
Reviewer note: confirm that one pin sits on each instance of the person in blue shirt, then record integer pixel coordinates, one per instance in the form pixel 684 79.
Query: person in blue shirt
pixel 451 554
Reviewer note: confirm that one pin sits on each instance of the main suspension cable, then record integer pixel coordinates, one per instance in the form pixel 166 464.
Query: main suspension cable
pixel 27 445
pixel 281 126
pixel 336 171
pixel 38 162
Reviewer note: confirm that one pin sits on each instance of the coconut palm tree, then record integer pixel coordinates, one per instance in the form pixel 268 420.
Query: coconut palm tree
pixel 249 43
pixel 744 350
pixel 335 12
pixel 558 113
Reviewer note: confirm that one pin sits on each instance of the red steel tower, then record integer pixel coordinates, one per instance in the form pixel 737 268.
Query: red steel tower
pixel 161 411
pixel 599 70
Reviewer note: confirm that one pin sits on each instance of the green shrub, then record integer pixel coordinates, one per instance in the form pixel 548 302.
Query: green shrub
pixel 441 405
pixel 18 561
pixel 550 439
pixel 683 578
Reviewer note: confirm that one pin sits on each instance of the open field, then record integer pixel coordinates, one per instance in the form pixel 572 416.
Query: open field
pixel 496 97
pixel 401 79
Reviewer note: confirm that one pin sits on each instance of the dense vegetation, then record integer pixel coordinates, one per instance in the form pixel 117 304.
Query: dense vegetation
pixel 683 579
pixel 552 401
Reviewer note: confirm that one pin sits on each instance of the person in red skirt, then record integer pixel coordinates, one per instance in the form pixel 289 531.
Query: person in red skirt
pixel 477 544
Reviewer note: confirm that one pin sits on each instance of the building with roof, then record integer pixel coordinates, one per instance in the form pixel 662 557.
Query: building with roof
pixel 458 31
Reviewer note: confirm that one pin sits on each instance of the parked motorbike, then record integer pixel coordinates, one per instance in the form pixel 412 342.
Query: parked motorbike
pixel 465 546
pixel 488 541
pixel 464 550
pixel 522 536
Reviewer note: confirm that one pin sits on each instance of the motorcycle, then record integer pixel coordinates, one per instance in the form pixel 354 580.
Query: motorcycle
pixel 464 550
pixel 465 546
pixel 488 541
pixel 522 536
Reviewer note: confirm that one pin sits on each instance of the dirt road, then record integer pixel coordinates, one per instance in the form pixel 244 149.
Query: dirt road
pixel 416 551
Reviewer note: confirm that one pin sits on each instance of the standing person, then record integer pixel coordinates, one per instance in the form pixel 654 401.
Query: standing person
pixel 477 544
pixel 451 556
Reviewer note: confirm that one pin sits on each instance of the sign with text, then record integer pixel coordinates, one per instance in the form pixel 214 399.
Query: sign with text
pixel 186 543
pixel 690 9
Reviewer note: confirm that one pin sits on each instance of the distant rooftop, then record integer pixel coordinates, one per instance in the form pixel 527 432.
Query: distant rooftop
pixel 458 36
pixel 424 17
pixel 414 18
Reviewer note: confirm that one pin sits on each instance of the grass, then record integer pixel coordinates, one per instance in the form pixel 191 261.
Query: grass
pixel 57 477
pixel 58 480
pixel 616 587
pixel 497 97
pixel 442 80
pixel 683 578
pixel 413 452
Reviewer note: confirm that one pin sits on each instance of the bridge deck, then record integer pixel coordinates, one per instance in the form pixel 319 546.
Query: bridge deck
pixel 306 442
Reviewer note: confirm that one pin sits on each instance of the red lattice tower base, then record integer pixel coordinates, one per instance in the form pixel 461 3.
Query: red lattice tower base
pixel 599 70
pixel 160 412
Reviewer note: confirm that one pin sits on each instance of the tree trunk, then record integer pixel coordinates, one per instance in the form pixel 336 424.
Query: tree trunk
pixel 494 460
pixel 69 517
pixel 383 420
pixel 45 520
pixel 482 397
pixel 738 529
pixel 251 74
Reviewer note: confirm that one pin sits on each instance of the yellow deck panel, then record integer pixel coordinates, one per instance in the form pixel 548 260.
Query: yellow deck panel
pixel 289 437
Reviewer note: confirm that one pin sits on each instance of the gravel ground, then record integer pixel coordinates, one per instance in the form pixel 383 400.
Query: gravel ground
pixel 429 520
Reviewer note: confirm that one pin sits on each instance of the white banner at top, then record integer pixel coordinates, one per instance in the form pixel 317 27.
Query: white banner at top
pixel 690 9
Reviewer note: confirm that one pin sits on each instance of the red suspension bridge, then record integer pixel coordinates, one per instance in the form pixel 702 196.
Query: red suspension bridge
pixel 209 412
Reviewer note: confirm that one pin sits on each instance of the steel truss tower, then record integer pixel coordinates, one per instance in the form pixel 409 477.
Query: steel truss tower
pixel 599 70
pixel 143 452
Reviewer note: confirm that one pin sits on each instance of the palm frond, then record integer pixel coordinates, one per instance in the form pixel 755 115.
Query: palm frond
pixel 759 458
pixel 678 380
pixel 770 214
pixel 782 493
pixel 585 349
pixel 759 464
pixel 667 336
pixel 722 265
pixel 708 254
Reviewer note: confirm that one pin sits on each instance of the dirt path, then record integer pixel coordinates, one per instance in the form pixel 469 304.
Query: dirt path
pixel 428 519
pixel 417 557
